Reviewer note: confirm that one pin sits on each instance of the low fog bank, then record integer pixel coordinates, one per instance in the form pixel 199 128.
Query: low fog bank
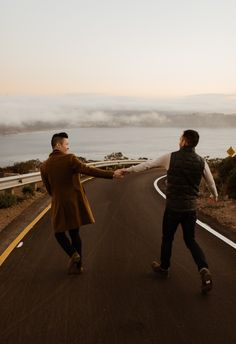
pixel 120 119
pixel 38 113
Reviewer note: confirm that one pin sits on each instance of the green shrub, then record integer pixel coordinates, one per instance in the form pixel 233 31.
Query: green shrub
pixel 22 167
pixel 7 200
pixel 28 190
pixel 214 164
pixel 20 199
pixel 231 184
pixel 25 166
pixel 225 179
pixel 226 166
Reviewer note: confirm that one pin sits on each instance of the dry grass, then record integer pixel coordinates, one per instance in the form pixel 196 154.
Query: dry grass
pixel 9 214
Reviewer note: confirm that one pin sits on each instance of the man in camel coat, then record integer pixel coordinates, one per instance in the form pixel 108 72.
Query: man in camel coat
pixel 70 208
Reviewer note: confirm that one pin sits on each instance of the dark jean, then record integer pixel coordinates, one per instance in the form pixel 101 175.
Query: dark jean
pixel 72 245
pixel 187 219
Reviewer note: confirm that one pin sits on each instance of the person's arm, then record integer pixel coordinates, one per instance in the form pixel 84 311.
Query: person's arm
pixel 162 161
pixel 79 167
pixel 45 181
pixel 210 181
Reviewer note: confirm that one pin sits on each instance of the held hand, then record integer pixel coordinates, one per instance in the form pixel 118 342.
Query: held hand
pixel 124 171
pixel 118 174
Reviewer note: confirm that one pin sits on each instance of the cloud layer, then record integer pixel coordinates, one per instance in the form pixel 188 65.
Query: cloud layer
pixel 18 114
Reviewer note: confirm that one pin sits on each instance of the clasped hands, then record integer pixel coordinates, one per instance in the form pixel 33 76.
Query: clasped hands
pixel 120 173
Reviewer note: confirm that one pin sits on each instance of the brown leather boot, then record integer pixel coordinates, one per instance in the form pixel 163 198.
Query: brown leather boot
pixel 156 267
pixel 73 264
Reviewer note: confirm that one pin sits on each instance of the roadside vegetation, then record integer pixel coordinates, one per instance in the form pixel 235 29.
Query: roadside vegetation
pixel 8 200
pixel 21 194
pixel 27 192
pixel 224 172
pixel 21 167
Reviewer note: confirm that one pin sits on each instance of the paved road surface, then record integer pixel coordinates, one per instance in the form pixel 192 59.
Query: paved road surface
pixel 117 300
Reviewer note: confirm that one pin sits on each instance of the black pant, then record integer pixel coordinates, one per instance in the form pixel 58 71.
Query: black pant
pixel 187 219
pixel 72 245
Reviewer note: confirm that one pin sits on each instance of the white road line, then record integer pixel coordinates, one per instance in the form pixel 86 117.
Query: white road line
pixel 200 223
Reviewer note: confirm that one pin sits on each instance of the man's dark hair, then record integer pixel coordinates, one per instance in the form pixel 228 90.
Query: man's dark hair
pixel 58 137
pixel 191 137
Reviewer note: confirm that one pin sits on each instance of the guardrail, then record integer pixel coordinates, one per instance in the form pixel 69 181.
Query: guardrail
pixel 8 184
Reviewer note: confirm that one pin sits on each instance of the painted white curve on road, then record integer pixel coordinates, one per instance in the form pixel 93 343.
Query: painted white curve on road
pixel 200 223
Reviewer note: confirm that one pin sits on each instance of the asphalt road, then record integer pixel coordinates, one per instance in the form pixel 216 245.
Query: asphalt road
pixel 117 299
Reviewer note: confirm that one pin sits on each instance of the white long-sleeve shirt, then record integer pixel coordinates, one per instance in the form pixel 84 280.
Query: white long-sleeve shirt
pixel 164 161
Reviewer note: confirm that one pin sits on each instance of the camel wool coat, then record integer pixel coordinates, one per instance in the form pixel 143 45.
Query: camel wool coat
pixel 61 175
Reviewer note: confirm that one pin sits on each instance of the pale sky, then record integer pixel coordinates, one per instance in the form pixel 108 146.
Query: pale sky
pixel 147 48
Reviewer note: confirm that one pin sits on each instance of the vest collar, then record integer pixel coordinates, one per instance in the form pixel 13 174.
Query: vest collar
pixel 187 149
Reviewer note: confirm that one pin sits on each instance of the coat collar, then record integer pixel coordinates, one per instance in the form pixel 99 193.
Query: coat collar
pixel 56 152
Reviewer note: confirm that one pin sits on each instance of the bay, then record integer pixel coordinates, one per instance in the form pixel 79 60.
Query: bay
pixel 96 143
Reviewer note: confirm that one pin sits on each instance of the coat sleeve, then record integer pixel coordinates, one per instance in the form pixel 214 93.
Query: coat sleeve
pixel 162 161
pixel 79 167
pixel 45 180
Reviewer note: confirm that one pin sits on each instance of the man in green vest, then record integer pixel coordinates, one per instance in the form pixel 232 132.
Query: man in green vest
pixel 185 168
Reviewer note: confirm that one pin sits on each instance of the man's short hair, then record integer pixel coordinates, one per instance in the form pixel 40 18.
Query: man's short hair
pixel 191 137
pixel 58 138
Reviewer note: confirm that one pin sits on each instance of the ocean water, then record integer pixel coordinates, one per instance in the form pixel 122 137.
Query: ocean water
pixel 95 143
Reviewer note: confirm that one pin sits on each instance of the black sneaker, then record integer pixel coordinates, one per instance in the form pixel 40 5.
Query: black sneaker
pixel 156 267
pixel 206 280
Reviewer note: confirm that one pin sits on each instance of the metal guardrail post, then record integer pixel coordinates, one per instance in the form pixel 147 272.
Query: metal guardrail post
pixel 34 186
pixel 10 191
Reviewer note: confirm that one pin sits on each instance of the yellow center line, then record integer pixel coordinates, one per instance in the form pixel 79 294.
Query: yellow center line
pixel 16 241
